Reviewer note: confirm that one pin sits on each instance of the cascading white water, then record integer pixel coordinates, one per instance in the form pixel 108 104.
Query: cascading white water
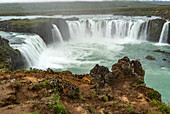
pixel 118 29
pixel 31 49
pixel 56 34
pixel 164 34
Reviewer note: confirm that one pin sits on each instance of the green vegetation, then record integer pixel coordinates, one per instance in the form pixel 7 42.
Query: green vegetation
pixel 90 110
pixel 154 99
pixel 93 94
pixel 4 56
pixel 7 70
pixel 58 108
pixel 114 102
pixel 105 98
pixel 46 84
pixel 130 109
pixel 37 85
pixel 27 24
pixel 161 106
pixel 32 102
pixel 37 7
pixel 139 81
pixel 80 96
pixel 36 112
pixel 65 8
pixel 153 95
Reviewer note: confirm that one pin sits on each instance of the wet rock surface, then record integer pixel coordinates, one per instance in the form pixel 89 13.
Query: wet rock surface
pixel 154 29
pixel 9 57
pixel 149 57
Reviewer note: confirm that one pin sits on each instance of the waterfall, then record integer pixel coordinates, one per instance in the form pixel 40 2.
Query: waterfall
pixel 56 34
pixel 116 28
pixel 164 34
pixel 31 47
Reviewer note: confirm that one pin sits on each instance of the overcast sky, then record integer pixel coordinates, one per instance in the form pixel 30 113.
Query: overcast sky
pixel 11 1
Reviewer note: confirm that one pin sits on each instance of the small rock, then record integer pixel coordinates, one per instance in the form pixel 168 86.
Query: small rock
pixel 164 59
pixel 149 57
pixel 49 71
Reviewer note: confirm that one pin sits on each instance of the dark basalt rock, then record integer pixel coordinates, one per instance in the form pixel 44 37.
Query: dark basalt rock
pixel 9 57
pixel 164 52
pixel 98 73
pixel 121 70
pixel 154 29
pixel 63 27
pixel 72 91
pixel 149 57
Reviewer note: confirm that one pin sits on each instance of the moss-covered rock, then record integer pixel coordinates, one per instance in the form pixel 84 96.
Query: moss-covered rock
pixel 9 57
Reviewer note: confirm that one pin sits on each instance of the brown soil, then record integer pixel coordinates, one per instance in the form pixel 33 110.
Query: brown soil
pixel 19 95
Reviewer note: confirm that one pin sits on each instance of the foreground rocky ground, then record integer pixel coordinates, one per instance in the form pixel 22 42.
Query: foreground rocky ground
pixel 101 92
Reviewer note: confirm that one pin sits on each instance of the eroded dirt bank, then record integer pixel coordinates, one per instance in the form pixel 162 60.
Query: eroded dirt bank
pixel 102 92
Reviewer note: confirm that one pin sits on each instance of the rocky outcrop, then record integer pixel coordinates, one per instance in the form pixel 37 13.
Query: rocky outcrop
pixel 154 29
pixel 121 70
pixel 42 27
pixel 160 51
pixel 53 92
pixel 9 58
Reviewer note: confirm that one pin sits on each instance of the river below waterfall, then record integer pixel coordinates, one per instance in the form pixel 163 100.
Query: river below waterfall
pixel 93 41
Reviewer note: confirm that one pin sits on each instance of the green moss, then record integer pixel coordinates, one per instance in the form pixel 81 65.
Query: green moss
pixel 130 109
pixel 93 94
pixel 105 98
pixel 114 102
pixel 4 56
pixel 49 104
pixel 90 110
pixel 36 112
pixel 81 96
pixel 26 24
pixel 153 95
pixel 37 85
pixel 7 70
pixel 46 84
pixel 161 106
pixel 139 81
pixel 32 102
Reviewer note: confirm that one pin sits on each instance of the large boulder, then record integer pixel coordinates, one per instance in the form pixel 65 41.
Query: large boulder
pixel 154 29
pixel 98 73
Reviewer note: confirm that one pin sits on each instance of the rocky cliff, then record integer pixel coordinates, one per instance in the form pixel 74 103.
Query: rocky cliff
pixel 9 57
pixel 154 29
pixel 42 27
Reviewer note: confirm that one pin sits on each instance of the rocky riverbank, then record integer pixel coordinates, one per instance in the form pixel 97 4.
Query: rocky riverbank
pixel 120 91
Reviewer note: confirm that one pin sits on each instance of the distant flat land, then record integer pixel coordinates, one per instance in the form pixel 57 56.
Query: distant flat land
pixel 75 8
